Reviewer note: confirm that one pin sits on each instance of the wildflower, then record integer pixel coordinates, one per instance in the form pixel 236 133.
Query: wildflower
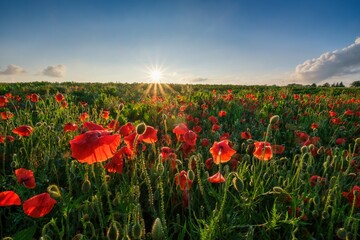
pixel 39 205
pixel 213 120
pixel 263 151
pixel 182 179
pixel 221 152
pixel 205 142
pixel 127 129
pixel 64 104
pixel 315 179
pixel 180 130
pixel 349 112
pixel 216 178
pixel 246 135
pixel 208 163
pixel 277 149
pixel 332 113
pixel 116 164
pixel 113 125
pixel 3 101
pixel 149 136
pixel 215 127
pixel 340 141
pixel 354 192
pixel 314 126
pixel 88 126
pixel 23 131
pixel 25 177
pixel 70 127
pixel 6 115
pixel 84 116
pixel 94 146
pixel 34 97
pixel 59 97
pixel 190 138
pixel 105 114
pixel 165 152
pixel 222 113
pixel 9 198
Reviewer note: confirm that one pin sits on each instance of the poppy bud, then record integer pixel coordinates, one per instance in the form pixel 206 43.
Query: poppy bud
pixel 86 186
pixel 325 215
pixel 7 238
pixel 191 175
pixel 79 236
pixel 283 159
pixel 113 231
pixel 164 117
pixel 304 149
pixel 250 141
pixel 341 233
pixel 45 237
pixel 311 147
pixel 121 107
pixel 140 129
pixel 86 217
pixel 274 119
pixel 136 231
pixel 157 232
pixel 54 191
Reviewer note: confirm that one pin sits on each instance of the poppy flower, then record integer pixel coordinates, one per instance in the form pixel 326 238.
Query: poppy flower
pixel 59 97
pixel 340 141
pixel 83 104
pixel 185 198
pixel 105 114
pixel 165 152
pixel 215 127
pixel 216 178
pixel 70 127
pixel 2 138
pixel 3 101
pixel 213 120
pixel 221 152
pixel 332 113
pixel 205 142
pixel 190 138
pixel 127 129
pixel 113 125
pixel 64 104
pixel 149 136
pixel 246 135
pixel 208 163
pixel 197 129
pixel 34 97
pixel 182 180
pixel 263 151
pixel 87 126
pixel 9 198
pixel 26 177
pixel 315 179
pixel 277 149
pixel 23 131
pixel 39 205
pixel 116 164
pixel 350 196
pixel 222 113
pixel 84 116
pixel 349 112
pixel 225 136
pixel 336 121
pixel 6 115
pixel 180 129
pixel 314 126
pixel 94 146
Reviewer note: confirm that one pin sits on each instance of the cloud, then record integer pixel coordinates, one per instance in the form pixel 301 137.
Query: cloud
pixel 331 64
pixel 55 71
pixel 12 70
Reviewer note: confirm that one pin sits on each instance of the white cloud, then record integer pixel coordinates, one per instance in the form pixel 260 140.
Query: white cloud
pixel 55 71
pixel 331 64
pixel 12 70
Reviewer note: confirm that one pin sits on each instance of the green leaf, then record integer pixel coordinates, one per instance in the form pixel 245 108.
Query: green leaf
pixel 26 234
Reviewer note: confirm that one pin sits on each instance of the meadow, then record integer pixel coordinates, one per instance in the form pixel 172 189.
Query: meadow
pixel 139 161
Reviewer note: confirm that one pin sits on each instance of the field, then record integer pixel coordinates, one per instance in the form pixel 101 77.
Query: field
pixel 136 161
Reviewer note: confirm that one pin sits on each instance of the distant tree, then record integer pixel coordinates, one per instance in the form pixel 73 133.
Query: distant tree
pixel 341 84
pixel 326 85
pixel 355 84
pixel 313 85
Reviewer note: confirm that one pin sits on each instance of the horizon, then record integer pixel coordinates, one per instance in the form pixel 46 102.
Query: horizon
pixel 188 42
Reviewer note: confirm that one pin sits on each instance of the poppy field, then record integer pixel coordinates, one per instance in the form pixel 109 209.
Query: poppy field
pixel 140 161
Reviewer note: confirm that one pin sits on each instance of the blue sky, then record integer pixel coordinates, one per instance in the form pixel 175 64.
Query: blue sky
pixel 236 42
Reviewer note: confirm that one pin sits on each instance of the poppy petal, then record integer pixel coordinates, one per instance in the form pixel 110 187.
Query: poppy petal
pixel 9 198
pixel 39 205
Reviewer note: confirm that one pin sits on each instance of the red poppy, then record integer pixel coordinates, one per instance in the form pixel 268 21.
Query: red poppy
pixel 277 149
pixel 23 131
pixel 197 129
pixel 205 142
pixel 105 114
pixel 213 120
pixel 70 127
pixel 127 129
pixel 315 179
pixel 26 177
pixel 9 198
pixel 182 180
pixel 113 125
pixel 263 151
pixel 94 146
pixel 34 97
pixel 39 205
pixel 83 104
pixel 332 113
pixel 165 152
pixel 64 104
pixel 224 136
pixel 336 121
pixel 149 136
pixel 302 137
pixel 84 116
pixel 59 97
pixel 2 138
pixel 340 141
pixel 190 138
pixel 215 127
pixel 3 101
pixel 116 164
pixel 246 135
pixel 180 129
pixel 6 115
pixel 216 178
pixel 354 192
pixel 88 126
pixel 222 113
pixel 221 152
pixel 314 126
pixel 349 112
pixel 208 163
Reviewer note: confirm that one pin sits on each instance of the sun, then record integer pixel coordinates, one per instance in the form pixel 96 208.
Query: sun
pixel 155 75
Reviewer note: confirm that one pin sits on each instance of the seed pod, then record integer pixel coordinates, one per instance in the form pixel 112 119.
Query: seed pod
pixel 191 175
pixel 86 186
pixel 113 231
pixel 136 231
pixel 278 189
pixel 157 232
pixel 341 233
pixel 357 141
